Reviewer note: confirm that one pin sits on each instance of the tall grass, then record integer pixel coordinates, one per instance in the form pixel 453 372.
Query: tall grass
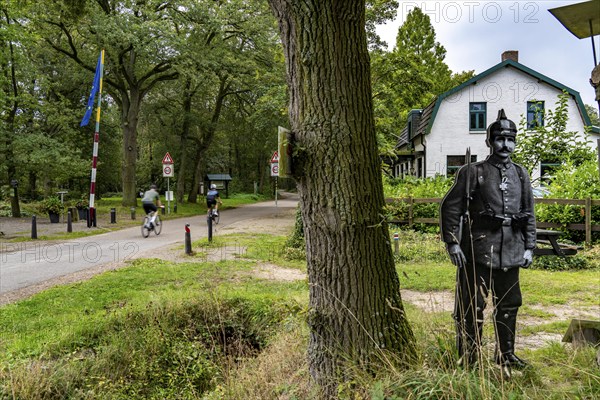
pixel 202 330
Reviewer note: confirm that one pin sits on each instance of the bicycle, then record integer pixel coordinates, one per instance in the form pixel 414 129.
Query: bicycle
pixel 213 215
pixel 156 225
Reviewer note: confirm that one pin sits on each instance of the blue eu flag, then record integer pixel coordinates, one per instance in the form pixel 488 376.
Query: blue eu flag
pixel 95 86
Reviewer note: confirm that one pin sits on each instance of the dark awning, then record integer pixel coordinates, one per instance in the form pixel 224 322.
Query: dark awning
pixel 218 177
pixel 578 17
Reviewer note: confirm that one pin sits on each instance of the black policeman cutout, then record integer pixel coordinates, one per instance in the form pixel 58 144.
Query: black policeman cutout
pixel 488 225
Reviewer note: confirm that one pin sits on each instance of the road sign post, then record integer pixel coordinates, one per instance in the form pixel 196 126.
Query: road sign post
pixel 168 172
pixel 275 171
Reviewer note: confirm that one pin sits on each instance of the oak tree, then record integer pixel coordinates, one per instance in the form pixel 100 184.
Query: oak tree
pixel 355 308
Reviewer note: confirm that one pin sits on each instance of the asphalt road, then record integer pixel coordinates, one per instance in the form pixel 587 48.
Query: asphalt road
pixel 30 263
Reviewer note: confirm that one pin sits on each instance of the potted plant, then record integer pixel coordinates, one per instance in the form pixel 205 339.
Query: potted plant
pixel 54 207
pixel 82 209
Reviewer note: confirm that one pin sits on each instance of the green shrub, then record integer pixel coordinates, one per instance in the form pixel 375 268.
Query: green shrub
pixel 572 182
pixel 553 263
pixel 417 188
pixel 51 205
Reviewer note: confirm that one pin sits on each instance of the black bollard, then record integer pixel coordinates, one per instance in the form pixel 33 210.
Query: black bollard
pixel 113 215
pixel 132 212
pixel 33 227
pixel 163 210
pixel 209 223
pixel 88 217
pixel 69 222
pixel 188 240
pixel 175 208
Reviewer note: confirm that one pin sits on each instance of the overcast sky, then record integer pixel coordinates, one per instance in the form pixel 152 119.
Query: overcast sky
pixel 475 33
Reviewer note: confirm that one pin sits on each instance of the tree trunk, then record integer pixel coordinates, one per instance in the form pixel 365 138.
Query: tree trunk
pixel 193 196
pixel 185 132
pixel 130 109
pixel 207 137
pixel 10 126
pixel 355 309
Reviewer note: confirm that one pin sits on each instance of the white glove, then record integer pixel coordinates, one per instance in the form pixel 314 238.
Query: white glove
pixel 527 258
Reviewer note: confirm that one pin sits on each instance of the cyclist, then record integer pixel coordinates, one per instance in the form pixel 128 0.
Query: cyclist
pixel 148 203
pixel 213 199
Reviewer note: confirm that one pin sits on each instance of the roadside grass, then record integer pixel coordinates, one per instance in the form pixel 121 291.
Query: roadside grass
pixel 211 330
pixel 249 246
pixel 123 215
pixel 150 330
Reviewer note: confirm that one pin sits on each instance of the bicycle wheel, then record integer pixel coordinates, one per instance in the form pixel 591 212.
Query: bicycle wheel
pixel 145 230
pixel 157 225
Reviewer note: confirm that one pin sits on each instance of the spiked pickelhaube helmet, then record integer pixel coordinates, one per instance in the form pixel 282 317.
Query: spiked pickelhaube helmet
pixel 502 126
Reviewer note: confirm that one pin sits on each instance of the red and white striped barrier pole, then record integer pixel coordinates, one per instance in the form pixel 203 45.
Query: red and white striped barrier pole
pixel 92 213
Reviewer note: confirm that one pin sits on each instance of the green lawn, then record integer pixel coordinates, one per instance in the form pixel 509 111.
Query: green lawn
pixel 213 330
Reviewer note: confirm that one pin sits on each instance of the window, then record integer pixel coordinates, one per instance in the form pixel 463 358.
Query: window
pixel 453 163
pixel 477 116
pixel 547 170
pixel 535 114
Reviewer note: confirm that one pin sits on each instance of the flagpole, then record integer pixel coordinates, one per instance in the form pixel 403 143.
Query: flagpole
pixel 92 210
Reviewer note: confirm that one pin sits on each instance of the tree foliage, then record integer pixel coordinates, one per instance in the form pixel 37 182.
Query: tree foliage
pixel 551 142
pixel 409 76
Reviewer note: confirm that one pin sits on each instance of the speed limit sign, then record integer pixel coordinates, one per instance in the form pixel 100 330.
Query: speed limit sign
pixel 274 169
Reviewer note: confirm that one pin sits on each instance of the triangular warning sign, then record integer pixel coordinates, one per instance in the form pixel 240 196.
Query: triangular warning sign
pixel 274 157
pixel 167 159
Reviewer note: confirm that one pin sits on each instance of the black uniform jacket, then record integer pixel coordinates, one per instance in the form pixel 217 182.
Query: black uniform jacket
pixel 501 213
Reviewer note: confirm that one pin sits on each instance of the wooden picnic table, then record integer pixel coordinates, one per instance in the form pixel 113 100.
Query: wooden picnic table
pixel 545 236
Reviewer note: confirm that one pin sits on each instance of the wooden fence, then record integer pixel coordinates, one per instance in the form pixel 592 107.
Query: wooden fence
pixel 586 205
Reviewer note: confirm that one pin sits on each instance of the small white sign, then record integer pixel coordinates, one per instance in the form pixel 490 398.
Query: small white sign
pixel 169 195
pixel 274 169
pixel 168 171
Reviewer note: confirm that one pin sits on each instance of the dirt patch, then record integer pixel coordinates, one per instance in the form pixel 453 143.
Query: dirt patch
pixel 276 273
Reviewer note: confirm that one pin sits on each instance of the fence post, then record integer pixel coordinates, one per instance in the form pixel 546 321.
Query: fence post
pixel 188 240
pixel 33 227
pixel 410 212
pixel 588 221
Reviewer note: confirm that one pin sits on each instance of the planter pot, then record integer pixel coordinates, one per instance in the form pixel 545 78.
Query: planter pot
pixel 82 212
pixel 54 218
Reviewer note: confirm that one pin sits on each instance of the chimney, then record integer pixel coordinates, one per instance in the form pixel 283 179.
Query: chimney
pixel 511 55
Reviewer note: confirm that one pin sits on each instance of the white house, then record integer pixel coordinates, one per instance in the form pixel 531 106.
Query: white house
pixel 435 138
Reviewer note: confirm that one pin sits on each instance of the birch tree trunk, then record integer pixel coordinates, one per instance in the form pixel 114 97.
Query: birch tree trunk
pixel 355 308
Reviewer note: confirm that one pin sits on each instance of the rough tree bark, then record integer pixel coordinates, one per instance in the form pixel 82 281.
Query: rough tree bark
pixel 355 308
